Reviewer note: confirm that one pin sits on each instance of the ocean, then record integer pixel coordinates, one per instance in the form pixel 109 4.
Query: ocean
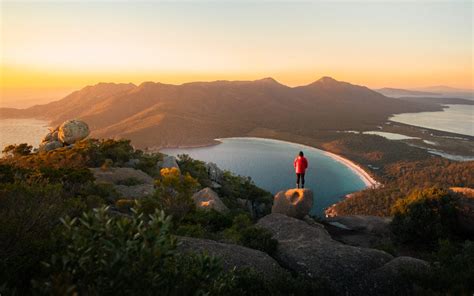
pixel 17 131
pixel 455 119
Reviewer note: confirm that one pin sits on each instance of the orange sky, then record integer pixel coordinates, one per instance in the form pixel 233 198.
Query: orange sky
pixel 50 48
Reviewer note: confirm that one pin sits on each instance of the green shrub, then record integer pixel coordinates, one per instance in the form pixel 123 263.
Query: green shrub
pixel 17 150
pixel 211 220
pixel 125 204
pixel 130 182
pixel 234 187
pixel 249 282
pixel 112 255
pixel 244 233
pixel 173 193
pixel 192 230
pixel 195 168
pixel 259 239
pixel 453 270
pixel 424 217
pixel 148 163
pixel 29 214
pixel 106 191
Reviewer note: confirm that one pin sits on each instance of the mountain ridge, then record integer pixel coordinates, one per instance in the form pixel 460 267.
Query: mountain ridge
pixel 158 114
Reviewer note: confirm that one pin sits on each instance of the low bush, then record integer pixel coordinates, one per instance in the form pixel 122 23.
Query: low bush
pixel 424 217
pixel 125 204
pixel 148 163
pixel 452 271
pixel 103 254
pixel 29 214
pixel 17 150
pixel 245 233
pixel 173 194
pixel 129 182
pixel 195 168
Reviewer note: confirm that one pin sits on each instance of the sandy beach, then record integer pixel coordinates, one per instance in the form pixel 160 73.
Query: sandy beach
pixel 368 180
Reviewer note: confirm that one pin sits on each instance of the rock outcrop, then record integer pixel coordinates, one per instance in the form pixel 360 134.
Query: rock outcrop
pixel 214 172
pixel 68 133
pixel 360 231
pixel 72 131
pixel 119 176
pixel 309 250
pixel 168 162
pixel 116 174
pixel 295 203
pixel 368 224
pixel 208 199
pixel 233 256
pixel 51 145
pixel 135 191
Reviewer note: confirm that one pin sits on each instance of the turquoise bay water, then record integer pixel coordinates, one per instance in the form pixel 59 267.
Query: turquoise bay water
pixel 270 165
pixel 455 119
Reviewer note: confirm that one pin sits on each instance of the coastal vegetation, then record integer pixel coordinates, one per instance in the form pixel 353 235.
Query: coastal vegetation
pixel 62 233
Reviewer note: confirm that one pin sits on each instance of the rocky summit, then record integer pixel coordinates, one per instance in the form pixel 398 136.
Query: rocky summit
pixel 309 250
pixel 295 203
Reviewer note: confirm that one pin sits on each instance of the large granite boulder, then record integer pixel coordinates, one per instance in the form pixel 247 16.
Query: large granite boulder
pixel 128 182
pixel 208 199
pixel 72 131
pixel 310 251
pixel 168 162
pixel 233 256
pixel 368 224
pixel 295 203
pixel 135 191
pixel 214 172
pixel 48 146
pixel 52 135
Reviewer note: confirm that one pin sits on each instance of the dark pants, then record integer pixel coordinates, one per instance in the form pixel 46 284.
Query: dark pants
pixel 299 176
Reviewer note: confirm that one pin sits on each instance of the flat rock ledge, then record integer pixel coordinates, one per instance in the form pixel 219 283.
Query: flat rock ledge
pixel 309 250
pixel 233 256
pixel 117 174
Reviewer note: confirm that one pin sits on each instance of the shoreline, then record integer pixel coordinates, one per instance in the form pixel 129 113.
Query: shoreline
pixel 366 177
pixel 368 180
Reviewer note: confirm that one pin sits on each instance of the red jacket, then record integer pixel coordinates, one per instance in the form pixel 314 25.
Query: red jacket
pixel 300 164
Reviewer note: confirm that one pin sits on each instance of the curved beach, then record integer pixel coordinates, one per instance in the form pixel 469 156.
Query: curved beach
pixel 368 180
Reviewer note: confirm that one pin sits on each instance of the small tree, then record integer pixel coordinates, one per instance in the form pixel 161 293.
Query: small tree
pixel 425 216
pixel 17 150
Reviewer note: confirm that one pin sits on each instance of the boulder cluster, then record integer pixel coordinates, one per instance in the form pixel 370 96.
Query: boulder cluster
pixel 64 135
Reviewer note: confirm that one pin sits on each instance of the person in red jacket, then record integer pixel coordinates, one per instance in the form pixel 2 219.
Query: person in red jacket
pixel 300 164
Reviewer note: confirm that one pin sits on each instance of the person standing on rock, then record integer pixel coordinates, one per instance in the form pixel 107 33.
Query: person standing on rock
pixel 300 164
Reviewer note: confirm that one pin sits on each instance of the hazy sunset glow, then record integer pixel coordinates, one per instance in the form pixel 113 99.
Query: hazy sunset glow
pixel 61 45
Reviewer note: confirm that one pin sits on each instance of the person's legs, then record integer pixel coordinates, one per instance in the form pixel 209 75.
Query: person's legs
pixel 298 180
pixel 302 180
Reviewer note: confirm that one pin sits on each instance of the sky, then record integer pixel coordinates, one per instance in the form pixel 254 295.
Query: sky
pixel 48 48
